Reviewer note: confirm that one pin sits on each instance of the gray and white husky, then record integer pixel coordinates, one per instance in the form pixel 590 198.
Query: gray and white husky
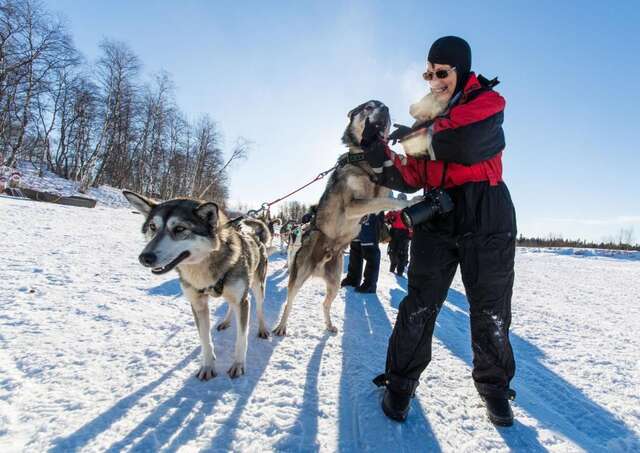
pixel 348 197
pixel 213 258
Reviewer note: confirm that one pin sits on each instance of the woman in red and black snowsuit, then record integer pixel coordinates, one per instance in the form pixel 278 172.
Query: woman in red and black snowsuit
pixel 398 248
pixel 465 156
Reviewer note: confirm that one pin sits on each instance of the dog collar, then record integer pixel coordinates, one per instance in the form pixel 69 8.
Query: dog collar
pixel 350 158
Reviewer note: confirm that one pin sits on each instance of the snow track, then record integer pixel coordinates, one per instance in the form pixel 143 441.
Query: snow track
pixel 97 354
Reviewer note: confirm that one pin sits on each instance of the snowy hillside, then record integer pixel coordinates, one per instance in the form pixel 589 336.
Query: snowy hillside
pixel 97 354
pixel 52 183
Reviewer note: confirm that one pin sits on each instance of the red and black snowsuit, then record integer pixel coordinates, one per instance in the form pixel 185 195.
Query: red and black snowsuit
pixel 479 235
pixel 398 249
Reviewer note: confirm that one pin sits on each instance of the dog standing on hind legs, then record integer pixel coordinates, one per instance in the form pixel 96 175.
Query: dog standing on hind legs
pixel 213 257
pixel 350 194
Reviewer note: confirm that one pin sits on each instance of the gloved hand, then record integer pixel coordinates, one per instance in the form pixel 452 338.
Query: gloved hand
pixel 400 133
pixel 371 133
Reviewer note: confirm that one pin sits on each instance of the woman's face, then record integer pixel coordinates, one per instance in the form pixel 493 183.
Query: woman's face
pixel 442 89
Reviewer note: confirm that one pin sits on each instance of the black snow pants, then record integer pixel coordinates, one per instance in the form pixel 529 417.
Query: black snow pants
pixel 479 235
pixel 369 253
pixel 398 250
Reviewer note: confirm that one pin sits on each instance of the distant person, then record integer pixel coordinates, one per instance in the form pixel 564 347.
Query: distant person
pixel 309 215
pixel 468 219
pixel 365 247
pixel 398 249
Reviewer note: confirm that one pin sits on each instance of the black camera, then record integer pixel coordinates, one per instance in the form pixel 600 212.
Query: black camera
pixel 436 202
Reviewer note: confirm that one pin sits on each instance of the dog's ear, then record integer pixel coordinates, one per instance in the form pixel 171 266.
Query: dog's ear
pixel 142 204
pixel 356 110
pixel 208 212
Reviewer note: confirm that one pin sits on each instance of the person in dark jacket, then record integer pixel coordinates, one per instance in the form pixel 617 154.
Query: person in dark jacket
pixel 366 247
pixel 310 214
pixel 398 249
pixel 464 159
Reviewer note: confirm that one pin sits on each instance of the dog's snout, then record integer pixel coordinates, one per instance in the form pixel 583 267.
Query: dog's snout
pixel 148 259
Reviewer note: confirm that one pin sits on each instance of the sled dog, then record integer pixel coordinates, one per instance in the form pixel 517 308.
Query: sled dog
pixel 349 195
pixel 213 257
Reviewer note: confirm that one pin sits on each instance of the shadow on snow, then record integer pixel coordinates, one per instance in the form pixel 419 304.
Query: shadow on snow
pixel 178 419
pixel 556 404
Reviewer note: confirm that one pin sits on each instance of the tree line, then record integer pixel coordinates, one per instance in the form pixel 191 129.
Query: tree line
pixel 624 240
pixel 292 210
pixel 98 122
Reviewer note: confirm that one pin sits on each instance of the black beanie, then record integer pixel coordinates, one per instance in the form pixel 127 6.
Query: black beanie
pixel 455 52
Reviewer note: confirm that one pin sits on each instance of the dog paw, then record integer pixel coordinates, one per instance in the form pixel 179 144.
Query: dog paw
pixel 280 331
pixel 236 370
pixel 223 325
pixel 206 372
pixel 332 329
pixel 263 333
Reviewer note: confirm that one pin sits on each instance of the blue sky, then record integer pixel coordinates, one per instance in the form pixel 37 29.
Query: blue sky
pixel 284 74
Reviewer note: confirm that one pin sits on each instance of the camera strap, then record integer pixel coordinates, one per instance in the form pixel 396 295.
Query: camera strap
pixel 444 174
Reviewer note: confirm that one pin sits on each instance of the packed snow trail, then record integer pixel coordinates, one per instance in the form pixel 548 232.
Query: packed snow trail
pixel 98 354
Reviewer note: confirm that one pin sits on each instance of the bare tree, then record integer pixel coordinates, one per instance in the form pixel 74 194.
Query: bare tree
pixel 625 236
pixel 239 152
pixel 34 45
pixel 99 123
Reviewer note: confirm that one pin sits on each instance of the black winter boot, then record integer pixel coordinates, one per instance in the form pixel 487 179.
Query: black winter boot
pixel 366 288
pixel 348 281
pixel 397 396
pixel 396 405
pixel 499 410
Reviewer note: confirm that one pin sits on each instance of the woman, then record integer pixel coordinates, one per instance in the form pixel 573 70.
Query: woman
pixel 465 159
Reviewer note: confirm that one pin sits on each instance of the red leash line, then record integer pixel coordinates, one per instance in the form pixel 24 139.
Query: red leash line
pixel 317 178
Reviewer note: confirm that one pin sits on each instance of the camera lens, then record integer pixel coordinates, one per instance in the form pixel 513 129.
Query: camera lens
pixel 436 202
pixel 419 212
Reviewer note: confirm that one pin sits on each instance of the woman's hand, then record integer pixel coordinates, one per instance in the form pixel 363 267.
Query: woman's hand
pixel 400 133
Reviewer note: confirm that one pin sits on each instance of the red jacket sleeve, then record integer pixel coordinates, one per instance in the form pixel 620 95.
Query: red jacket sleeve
pixel 471 132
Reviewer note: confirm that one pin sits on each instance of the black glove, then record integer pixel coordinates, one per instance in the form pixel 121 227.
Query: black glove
pixel 371 133
pixel 400 133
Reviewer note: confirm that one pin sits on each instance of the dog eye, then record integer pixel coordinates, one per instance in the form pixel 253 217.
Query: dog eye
pixel 152 226
pixel 179 229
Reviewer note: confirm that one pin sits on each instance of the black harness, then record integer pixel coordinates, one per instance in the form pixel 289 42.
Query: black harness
pixel 350 158
pixel 216 289
pixel 354 158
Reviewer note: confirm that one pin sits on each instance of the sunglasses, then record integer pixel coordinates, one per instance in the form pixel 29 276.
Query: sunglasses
pixel 440 74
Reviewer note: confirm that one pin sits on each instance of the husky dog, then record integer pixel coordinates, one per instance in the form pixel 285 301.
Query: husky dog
pixel 295 242
pixel 288 233
pixel 349 195
pixel 214 257
pixel 418 142
pixel 287 229
pixel 275 227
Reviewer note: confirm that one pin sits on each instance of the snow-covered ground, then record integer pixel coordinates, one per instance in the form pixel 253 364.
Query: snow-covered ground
pixel 98 354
